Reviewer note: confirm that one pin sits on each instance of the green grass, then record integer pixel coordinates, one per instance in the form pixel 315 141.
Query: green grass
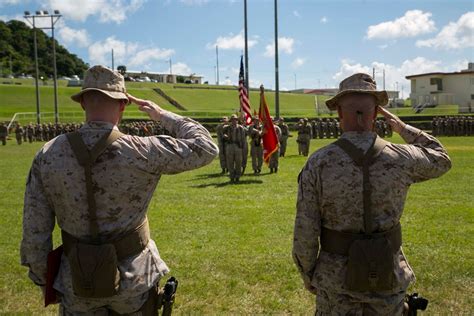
pixel 230 245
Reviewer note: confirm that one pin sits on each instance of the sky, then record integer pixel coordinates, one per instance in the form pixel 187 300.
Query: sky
pixel 320 42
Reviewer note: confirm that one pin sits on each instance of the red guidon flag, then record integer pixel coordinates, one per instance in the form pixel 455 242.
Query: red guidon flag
pixel 269 138
pixel 244 96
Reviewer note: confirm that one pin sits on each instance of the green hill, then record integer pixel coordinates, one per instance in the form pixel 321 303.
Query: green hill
pixel 17 53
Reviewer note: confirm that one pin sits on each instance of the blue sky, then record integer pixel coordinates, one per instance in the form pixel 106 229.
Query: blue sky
pixel 321 42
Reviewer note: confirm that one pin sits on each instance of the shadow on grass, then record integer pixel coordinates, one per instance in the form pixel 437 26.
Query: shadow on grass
pixel 220 175
pixel 224 184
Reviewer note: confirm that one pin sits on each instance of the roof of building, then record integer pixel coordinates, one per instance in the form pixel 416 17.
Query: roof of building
pixel 462 72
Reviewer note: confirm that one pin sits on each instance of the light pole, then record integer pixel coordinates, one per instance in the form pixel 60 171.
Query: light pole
pixel 277 83
pixel 54 18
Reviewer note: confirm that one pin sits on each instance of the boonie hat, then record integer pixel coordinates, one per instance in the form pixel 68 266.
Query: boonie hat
pixel 358 83
pixel 105 80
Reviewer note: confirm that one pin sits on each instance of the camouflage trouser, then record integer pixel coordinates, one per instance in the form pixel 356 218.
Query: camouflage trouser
pixel 245 154
pixel 18 139
pixel 328 303
pixel 273 162
pixel 222 156
pixel 303 147
pixel 233 155
pixel 4 140
pixel 148 308
pixel 283 142
pixel 257 157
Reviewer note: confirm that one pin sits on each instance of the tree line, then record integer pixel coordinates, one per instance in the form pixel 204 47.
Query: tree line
pixel 17 53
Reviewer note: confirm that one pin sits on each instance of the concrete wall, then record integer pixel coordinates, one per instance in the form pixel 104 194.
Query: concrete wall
pixel 457 89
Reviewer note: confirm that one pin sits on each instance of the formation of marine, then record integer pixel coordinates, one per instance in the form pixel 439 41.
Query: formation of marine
pixel 452 126
pixel 47 131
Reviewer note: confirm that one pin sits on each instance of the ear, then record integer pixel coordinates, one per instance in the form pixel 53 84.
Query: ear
pixel 375 114
pixel 82 105
pixel 122 106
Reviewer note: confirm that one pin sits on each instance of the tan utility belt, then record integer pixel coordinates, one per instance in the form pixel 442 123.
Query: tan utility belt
pixel 130 244
pixel 337 242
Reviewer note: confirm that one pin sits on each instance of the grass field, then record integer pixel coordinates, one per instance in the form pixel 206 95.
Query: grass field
pixel 200 103
pixel 230 245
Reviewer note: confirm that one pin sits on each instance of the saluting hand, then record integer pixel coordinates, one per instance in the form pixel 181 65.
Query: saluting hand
pixel 394 121
pixel 147 106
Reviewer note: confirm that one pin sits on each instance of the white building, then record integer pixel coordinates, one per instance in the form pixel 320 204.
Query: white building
pixel 444 88
pixel 164 78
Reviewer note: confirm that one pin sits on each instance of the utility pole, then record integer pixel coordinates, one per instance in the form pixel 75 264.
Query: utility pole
pixel 112 59
pixel 54 18
pixel 246 48
pixel 217 64
pixel 277 88
pixel 373 73
pixel 295 81
pixel 384 78
pixel 171 67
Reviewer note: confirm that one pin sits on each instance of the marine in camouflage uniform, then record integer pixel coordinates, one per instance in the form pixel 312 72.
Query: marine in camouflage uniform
pixel 285 133
pixel 221 144
pixel 330 197
pixel 30 132
pixel 19 131
pixel 3 134
pixel 273 161
pixel 256 146
pixel 124 179
pixel 304 137
pixel 234 136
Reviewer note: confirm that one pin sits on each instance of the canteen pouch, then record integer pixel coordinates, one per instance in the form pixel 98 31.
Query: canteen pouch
pixel 94 270
pixel 370 265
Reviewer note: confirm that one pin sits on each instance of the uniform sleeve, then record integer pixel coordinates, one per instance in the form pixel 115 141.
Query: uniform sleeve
pixel 190 146
pixel 307 223
pixel 38 225
pixel 427 158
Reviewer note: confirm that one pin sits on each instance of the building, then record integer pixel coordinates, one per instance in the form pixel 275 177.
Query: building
pixel 436 88
pixel 163 78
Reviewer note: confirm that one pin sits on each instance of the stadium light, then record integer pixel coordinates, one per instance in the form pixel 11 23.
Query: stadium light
pixel 54 18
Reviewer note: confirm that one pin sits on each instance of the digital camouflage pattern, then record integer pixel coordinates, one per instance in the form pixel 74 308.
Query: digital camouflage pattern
pixel 125 177
pixel 330 195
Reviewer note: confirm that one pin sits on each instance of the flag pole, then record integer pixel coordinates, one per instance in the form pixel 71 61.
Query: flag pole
pixel 277 85
pixel 246 49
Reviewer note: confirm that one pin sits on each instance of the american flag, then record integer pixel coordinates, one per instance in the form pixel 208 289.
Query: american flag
pixel 244 96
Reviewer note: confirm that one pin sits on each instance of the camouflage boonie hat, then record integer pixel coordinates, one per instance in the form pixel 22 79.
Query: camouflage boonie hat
pixel 105 80
pixel 358 83
pixel 233 117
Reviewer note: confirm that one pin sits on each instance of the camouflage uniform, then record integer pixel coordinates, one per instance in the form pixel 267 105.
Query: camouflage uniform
pixel 3 134
pixel 125 177
pixel 19 134
pixel 273 162
pixel 285 133
pixel 304 138
pixel 234 143
pixel 330 195
pixel 256 147
pixel 220 144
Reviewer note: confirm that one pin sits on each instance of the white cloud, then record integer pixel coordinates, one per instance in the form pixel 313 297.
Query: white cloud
pixel 285 44
pixel 413 23
pixel 181 69
pixel 127 53
pixel 9 2
pixel 393 73
pixel 455 35
pixel 296 13
pixel 324 20
pixel 148 55
pixel 233 42
pixel 194 2
pixel 72 36
pixel 298 62
pixel 108 11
